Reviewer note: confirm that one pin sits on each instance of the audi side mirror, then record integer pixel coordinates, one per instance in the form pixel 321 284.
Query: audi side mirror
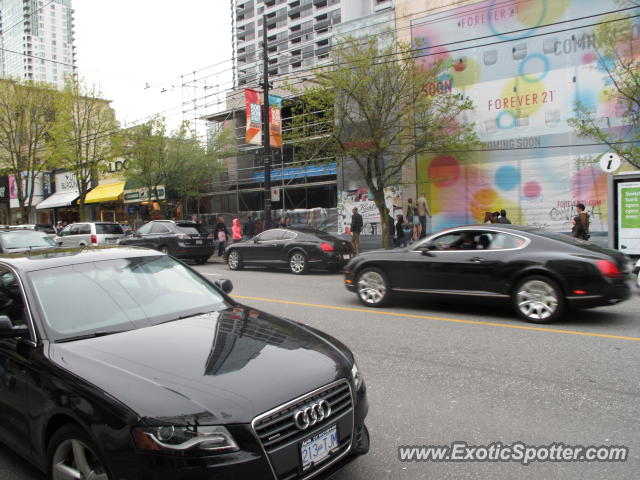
pixel 7 330
pixel 225 285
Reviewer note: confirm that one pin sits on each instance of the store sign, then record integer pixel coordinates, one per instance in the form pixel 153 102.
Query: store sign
pixel 66 182
pixel 142 194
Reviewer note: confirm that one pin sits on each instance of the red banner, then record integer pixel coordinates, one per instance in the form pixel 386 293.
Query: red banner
pixel 254 117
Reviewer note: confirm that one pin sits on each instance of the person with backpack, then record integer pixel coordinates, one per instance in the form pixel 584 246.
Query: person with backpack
pixel 584 221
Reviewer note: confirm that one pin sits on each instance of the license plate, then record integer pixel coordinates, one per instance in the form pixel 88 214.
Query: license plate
pixel 198 242
pixel 315 449
pixel 346 256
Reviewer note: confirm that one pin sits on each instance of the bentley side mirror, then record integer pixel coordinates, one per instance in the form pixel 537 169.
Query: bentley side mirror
pixel 225 285
pixel 426 251
pixel 7 330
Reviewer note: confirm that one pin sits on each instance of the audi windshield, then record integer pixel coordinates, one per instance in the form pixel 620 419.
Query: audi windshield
pixel 120 294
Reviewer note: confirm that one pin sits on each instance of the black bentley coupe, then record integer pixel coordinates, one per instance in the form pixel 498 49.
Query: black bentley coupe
pixel 124 363
pixel 539 272
pixel 297 249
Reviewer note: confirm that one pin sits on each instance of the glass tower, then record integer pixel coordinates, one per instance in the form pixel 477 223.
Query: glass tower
pixel 36 40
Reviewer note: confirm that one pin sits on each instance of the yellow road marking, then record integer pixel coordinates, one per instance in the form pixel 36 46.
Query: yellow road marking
pixel 373 311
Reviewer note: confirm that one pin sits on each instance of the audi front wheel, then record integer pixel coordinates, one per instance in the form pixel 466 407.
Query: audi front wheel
pixel 72 454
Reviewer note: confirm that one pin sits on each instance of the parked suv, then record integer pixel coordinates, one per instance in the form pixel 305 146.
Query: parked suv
pixel 182 239
pixel 90 233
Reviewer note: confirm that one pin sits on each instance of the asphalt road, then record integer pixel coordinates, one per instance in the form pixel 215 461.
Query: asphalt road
pixel 438 373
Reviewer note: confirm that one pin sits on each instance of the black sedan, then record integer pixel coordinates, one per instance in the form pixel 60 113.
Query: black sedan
pixel 299 249
pixel 539 272
pixel 123 363
pixel 182 239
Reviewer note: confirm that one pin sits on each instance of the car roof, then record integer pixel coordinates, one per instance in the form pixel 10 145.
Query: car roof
pixel 59 257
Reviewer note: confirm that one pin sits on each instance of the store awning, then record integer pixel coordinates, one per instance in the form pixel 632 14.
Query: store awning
pixel 105 193
pixel 58 199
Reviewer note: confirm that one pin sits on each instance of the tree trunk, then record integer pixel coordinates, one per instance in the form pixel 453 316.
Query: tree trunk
pixel 378 198
pixel 81 212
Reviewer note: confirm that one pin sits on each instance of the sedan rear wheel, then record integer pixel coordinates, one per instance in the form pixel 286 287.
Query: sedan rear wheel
pixel 373 287
pixel 235 260
pixel 298 263
pixel 538 299
pixel 72 455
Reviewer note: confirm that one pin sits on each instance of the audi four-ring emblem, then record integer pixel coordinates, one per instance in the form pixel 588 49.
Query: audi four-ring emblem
pixel 312 414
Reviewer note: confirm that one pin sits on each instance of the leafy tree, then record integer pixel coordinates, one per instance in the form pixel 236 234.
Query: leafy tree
pixel 83 134
pixel 178 161
pixel 376 107
pixel 27 115
pixel 619 57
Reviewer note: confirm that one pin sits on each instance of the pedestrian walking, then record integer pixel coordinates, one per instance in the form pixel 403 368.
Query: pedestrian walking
pixel 401 240
pixel 391 228
pixel 221 234
pixel 356 229
pixel 423 213
pixel 584 221
pixel 249 228
pixel 503 218
pixel 412 220
pixel 236 231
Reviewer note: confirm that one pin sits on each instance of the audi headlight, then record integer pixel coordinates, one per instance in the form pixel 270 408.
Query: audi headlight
pixel 356 376
pixel 178 439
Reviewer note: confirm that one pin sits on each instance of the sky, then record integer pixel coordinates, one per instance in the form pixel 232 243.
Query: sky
pixel 137 50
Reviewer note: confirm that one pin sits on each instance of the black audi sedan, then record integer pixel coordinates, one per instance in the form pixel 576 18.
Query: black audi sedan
pixel 125 364
pixel 297 249
pixel 182 239
pixel 539 272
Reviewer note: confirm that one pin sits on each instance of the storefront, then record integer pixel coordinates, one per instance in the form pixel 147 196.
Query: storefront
pixel 106 200
pixel 61 206
pixel 14 203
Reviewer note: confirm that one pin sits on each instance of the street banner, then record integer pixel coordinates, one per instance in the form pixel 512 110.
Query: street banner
pixel 254 117
pixel 275 121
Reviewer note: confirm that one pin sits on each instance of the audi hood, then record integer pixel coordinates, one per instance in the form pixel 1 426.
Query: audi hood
pixel 219 368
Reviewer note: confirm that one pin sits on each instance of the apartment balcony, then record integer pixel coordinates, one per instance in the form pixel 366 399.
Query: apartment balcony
pixel 321 25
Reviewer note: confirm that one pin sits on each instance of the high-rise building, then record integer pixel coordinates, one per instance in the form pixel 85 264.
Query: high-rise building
pixel 299 32
pixel 36 40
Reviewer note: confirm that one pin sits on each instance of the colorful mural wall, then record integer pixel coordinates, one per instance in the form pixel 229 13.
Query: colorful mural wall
pixel 524 63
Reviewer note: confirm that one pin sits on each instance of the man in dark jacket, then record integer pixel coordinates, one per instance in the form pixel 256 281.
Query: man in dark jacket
pixel 356 228
pixel 249 229
pixel 503 217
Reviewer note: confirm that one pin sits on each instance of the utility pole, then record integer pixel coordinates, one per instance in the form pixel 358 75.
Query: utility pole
pixel 266 137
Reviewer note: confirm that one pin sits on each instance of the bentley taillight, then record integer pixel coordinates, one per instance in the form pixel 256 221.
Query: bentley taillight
pixel 326 247
pixel 608 268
